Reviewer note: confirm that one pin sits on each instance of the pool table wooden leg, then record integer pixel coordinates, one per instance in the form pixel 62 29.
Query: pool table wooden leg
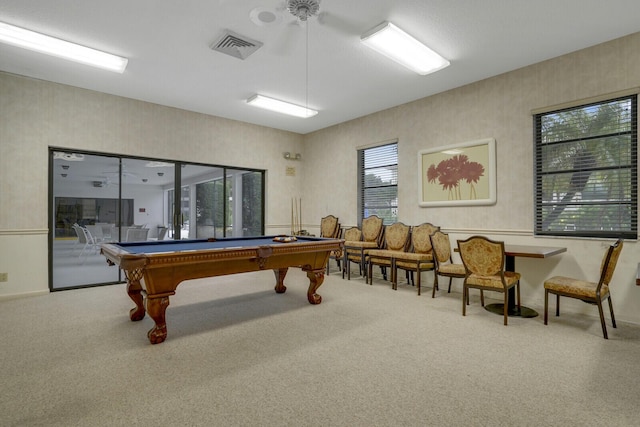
pixel 156 307
pixel 280 273
pixel 134 290
pixel 316 277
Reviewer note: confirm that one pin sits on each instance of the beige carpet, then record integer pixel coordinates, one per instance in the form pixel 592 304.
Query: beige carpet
pixel 238 354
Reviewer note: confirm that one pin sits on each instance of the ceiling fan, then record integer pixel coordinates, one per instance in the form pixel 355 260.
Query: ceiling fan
pixel 125 173
pixel 303 9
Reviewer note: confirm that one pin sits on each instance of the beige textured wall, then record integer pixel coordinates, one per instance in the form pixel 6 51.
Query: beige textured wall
pixel 499 107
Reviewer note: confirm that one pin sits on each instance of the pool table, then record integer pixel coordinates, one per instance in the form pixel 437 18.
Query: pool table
pixel 154 269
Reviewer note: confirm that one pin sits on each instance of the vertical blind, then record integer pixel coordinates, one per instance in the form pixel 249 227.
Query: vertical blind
pixel 378 182
pixel 586 170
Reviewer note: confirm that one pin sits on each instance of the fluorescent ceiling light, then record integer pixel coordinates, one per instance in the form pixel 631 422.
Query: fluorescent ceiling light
pixel 281 106
pixel 395 44
pixel 51 46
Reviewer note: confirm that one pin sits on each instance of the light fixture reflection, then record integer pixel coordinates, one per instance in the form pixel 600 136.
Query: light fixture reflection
pixel 399 46
pixel 62 49
pixel 281 106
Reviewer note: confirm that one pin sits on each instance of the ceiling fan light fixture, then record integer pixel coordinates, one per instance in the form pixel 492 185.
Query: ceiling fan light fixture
pixel 303 9
pixel 399 46
pixel 41 43
pixel 283 107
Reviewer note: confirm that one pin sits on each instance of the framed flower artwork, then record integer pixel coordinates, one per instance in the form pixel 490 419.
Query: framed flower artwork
pixel 458 175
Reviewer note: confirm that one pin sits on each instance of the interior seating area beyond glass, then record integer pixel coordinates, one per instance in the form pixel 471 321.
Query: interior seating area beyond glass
pixel 97 198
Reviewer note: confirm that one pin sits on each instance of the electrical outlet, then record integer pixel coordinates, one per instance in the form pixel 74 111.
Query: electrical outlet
pixel 4 277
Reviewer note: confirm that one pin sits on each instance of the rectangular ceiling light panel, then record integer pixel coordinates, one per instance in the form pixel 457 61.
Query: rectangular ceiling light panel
pixel 281 106
pixel 399 46
pixel 62 49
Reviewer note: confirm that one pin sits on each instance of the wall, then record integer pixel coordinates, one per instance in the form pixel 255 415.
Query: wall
pixel 36 114
pixel 499 107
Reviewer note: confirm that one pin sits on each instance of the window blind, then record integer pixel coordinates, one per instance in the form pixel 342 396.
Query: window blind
pixel 378 182
pixel 586 170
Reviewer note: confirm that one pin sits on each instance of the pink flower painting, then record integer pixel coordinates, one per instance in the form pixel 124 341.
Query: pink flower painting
pixel 451 172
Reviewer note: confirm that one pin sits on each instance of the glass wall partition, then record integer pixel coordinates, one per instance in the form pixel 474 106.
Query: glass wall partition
pixel 86 208
pixel 97 198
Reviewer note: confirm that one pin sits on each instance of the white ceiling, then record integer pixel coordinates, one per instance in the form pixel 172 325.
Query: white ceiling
pixel 170 62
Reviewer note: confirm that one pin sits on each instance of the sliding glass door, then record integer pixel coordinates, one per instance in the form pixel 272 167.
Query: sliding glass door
pixel 218 202
pixel 86 210
pixel 97 199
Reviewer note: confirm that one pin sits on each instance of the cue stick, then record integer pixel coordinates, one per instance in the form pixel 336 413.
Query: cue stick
pixel 295 223
pixel 292 215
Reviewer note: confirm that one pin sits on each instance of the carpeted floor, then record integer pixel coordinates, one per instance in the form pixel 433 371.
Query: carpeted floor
pixel 238 354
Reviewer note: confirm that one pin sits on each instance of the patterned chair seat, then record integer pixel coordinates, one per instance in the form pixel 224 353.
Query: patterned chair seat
pixel 576 287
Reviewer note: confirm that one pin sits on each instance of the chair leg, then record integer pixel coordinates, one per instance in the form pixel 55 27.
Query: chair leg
pixel 346 266
pixel 419 279
pixel 613 318
pixel 435 284
pixel 481 297
pixel 506 308
pixel 546 305
pixel 557 305
pixel 449 290
pixel 465 299
pixel 518 294
pixel 604 325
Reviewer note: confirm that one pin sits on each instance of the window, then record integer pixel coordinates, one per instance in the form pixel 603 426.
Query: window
pixel 586 170
pixel 378 182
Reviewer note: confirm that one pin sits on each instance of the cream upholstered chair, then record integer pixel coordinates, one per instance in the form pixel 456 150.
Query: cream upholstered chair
pixel 372 235
pixel 590 292
pixel 351 235
pixel 484 263
pixel 330 228
pixel 443 263
pixel 396 242
pixel 419 258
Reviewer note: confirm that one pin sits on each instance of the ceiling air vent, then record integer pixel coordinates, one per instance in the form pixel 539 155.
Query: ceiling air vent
pixel 236 45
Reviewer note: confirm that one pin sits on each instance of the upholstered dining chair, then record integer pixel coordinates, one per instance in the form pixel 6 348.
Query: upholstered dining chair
pixel 443 261
pixel 351 235
pixel 590 292
pixel 372 235
pixel 396 243
pixel 330 228
pixel 419 258
pixel 484 263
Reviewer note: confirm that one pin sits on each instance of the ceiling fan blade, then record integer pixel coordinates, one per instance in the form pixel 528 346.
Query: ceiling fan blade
pixel 337 23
